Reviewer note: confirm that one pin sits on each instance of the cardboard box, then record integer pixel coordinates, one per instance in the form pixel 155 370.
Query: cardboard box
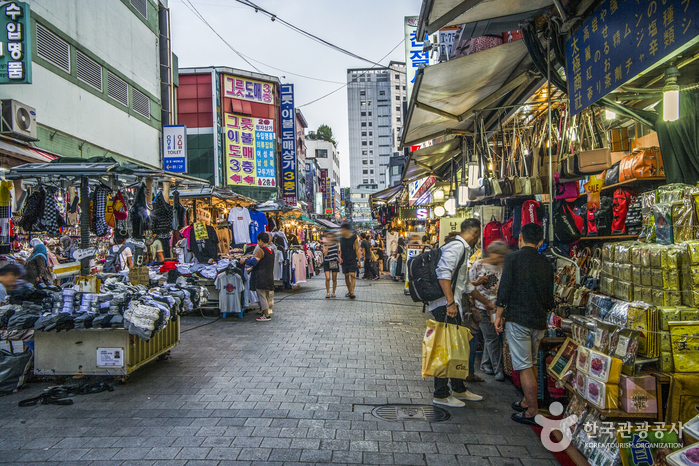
pixel 620 139
pixel 638 394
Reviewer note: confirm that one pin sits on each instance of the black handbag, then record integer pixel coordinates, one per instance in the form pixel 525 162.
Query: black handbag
pixel 564 222
pixel 612 175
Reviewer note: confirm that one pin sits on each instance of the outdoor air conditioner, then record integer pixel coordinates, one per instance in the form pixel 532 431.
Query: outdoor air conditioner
pixel 18 120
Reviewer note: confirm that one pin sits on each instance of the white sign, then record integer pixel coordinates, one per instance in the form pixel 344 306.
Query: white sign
pixel 414 56
pixel 422 214
pixel 175 148
pixel 80 254
pixel 110 357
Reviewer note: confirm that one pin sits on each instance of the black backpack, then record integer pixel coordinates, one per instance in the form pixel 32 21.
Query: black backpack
pixel 423 283
pixel 111 263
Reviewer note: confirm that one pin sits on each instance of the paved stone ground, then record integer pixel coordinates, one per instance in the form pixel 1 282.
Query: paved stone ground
pixel 297 390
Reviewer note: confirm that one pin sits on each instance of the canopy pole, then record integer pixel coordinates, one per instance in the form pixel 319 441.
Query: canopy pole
pixel 550 141
pixel 84 224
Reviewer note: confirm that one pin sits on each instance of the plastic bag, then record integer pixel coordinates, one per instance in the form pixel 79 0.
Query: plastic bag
pixel 13 369
pixel 445 350
pixel 663 223
pixel 684 221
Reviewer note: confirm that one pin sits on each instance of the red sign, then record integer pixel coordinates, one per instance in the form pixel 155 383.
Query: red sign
pixel 429 182
pixel 323 181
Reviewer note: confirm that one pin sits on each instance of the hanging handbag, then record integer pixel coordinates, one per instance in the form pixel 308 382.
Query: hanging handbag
pixel 644 164
pixel 566 190
pixel 612 175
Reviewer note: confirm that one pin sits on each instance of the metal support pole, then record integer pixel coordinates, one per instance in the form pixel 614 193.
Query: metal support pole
pixel 548 95
pixel 84 224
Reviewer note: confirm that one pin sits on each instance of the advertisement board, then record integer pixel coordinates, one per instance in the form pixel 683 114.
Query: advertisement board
pixel 418 188
pixel 249 151
pixel 248 89
pixel 175 148
pixel 621 40
pixel 414 56
pixel 16 54
pixel 288 144
pixel 447 225
pixel 420 213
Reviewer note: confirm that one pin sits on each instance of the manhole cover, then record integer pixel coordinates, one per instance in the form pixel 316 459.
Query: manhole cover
pixel 392 322
pixel 411 412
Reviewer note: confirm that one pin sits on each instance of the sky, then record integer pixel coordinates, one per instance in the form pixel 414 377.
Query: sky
pixel 368 28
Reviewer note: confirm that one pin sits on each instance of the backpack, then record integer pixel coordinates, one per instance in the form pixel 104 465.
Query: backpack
pixel 568 225
pixel 111 264
pixel 620 208
pixel 491 232
pixel 423 283
pixel 508 233
pixel 530 212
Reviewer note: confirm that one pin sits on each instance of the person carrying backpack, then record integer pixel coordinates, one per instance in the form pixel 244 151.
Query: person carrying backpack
pixel 119 258
pixel 452 269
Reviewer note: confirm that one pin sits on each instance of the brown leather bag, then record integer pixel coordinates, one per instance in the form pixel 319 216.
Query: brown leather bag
pixel 645 164
pixel 594 161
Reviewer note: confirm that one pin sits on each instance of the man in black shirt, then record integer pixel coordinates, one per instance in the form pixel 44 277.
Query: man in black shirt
pixel 349 254
pixel 367 255
pixel 525 296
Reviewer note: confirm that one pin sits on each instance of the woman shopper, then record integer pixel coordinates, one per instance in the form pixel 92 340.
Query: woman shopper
pixel 263 268
pixel 37 266
pixel 331 264
pixel 378 251
pixel 485 276
pixel 400 250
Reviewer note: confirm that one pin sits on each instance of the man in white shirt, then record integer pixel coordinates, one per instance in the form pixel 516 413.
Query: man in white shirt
pixel 448 308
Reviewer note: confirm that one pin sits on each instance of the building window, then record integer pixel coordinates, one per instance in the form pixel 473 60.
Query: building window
pixel 398 97
pixel 397 119
pixel 364 143
pixel 398 87
pixel 371 143
pixel 363 152
pixel 397 108
pixel 362 92
pixel 369 113
pixel 363 133
pixel 321 153
pixel 371 133
pixel 363 114
pixel 403 87
pixel 371 152
pixel 372 181
pixel 141 6
pixel 141 103
pixel 88 70
pixel 363 123
pixel 371 162
pixel 397 76
pixel 364 162
pixel 371 172
pixel 363 103
pixel 52 48
pixel 365 181
pixel 364 172
pixel 371 124
pixel 382 92
pixel 117 89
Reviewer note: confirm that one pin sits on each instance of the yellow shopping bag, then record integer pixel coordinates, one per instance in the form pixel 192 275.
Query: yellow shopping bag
pixel 445 350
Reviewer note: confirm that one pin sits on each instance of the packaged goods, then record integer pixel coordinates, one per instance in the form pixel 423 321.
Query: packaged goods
pixel 685 346
pixel 668 314
pixel 663 223
pixel 623 344
pixel 638 394
pixel 666 363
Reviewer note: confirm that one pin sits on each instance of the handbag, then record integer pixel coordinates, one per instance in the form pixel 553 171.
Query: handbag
pixel 566 190
pixel 612 175
pixel 644 164
pixel 445 350
pixel 333 264
pixel 592 162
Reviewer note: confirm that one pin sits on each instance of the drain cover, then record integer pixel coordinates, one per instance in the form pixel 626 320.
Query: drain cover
pixel 411 413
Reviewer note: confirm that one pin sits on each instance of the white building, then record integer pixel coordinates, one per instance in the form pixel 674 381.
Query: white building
pixel 328 159
pixel 102 78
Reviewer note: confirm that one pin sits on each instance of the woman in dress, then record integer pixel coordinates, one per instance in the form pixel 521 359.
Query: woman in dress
pixel 331 264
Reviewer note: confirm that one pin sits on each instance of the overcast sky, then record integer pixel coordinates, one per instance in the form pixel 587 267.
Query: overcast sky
pixel 368 28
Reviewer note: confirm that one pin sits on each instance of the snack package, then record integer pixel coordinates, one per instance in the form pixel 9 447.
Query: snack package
pixel 693 252
pixel 604 396
pixel 618 313
pixel 637 253
pixel 657 255
pixel 668 314
pixel 622 252
pixel 564 359
pixel 623 290
pixel 683 221
pixel 625 272
pixel 624 345
pixel 581 384
pixel 667 298
pixel 636 275
pixel 646 295
pixel 603 333
pixel 608 252
pixel 667 364
pixel 665 342
pixel 606 285
pixel 647 277
pixel 692 277
pixel 685 346
pixel 688 456
pixel 689 315
pixel 604 368
pixel 598 305
pixel 663 223
pixel 668 279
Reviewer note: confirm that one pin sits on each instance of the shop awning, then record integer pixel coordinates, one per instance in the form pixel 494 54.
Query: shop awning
pixel 426 161
pixel 220 193
pixel 327 224
pixel 25 153
pixel 447 95
pixel 506 14
pixel 387 194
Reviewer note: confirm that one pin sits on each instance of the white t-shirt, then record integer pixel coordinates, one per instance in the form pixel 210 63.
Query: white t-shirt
pixel 230 285
pixel 122 260
pixel 239 218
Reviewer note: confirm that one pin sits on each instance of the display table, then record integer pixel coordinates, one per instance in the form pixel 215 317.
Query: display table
pixel 119 353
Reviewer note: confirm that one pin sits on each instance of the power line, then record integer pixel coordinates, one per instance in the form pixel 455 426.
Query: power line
pixel 353 79
pixel 274 17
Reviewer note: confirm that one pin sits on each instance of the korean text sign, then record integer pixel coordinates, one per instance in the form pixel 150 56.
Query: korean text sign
pixel 175 148
pixel 414 56
pixel 249 151
pixel 248 89
pixel 447 225
pixel 288 144
pixel 15 44
pixel 621 40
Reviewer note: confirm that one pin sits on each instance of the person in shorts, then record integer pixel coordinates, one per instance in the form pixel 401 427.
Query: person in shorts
pixel 331 263
pixel 525 296
pixel 349 258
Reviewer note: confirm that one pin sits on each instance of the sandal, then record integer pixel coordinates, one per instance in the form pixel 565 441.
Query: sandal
pixel 327 296
pixel 332 295
pixel 352 296
pixel 347 295
pixel 523 419
pixel 517 406
pixel 474 378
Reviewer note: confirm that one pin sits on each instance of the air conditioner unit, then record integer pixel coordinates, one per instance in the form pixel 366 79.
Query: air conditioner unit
pixel 18 120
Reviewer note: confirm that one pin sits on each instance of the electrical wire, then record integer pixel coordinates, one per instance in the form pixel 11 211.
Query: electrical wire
pixel 353 80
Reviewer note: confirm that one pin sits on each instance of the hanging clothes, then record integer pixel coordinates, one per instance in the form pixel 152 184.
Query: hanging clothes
pixel 258 224
pixel 203 242
pixel 140 220
pixel 52 221
pixel 239 218
pixel 224 240
pixel 162 216
pixel 231 288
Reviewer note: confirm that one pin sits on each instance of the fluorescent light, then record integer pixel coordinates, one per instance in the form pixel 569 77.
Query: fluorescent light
pixel 671 103
pixel 438 194
pixel 609 115
pixel 463 195
pixel 439 211
pixel 450 206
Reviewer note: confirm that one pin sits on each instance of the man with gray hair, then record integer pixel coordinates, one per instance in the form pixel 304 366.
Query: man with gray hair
pixel 448 308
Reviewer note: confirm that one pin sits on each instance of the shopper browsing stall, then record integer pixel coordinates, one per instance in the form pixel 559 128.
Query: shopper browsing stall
pixel 9 276
pixel 37 265
pixel 263 267
pixel 67 248
pixel 400 252
pixel 525 296
pixel 120 256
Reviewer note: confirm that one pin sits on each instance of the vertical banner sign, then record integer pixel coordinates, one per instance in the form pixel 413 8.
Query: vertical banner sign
pixel 288 144
pixel 310 185
pixel 324 188
pixel 329 197
pixel 175 148
pixel 623 39
pixel 332 200
pixel 414 56
pixel 342 197
pixel 249 151
pixel 219 168
pixel 15 45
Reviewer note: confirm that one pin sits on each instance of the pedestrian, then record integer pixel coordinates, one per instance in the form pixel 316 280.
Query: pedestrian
pixel 124 261
pixel 67 248
pixel 368 257
pixel 262 264
pixel 9 276
pixel 485 276
pixel 37 265
pixel 524 298
pixel 331 264
pixel 378 250
pixel 349 258
pixel 449 308
pixel 400 252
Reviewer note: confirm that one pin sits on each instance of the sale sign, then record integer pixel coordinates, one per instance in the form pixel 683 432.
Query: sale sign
pixel 250 148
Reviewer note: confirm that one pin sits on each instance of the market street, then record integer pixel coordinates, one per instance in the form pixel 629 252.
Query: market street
pixel 298 389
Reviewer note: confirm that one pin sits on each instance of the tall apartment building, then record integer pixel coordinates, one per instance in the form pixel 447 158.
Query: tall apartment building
pixel 102 78
pixel 375 99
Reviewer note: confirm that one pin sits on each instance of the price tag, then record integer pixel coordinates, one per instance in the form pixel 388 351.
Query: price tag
pixel 138 244
pixel 84 253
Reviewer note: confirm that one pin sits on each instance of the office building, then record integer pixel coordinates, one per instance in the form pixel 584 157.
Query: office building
pixel 328 159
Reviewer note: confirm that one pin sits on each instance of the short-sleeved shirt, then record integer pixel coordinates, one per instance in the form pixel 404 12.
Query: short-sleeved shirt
pixel 122 260
pixel 155 248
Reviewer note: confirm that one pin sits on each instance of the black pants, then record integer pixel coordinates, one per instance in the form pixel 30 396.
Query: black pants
pixel 400 273
pixel 441 386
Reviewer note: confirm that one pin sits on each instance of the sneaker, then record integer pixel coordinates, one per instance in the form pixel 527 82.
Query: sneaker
pixel 500 377
pixel 467 396
pixel 449 401
pixel 487 370
pixel 263 319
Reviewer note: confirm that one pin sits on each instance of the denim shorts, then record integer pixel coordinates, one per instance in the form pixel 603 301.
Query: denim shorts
pixel 524 345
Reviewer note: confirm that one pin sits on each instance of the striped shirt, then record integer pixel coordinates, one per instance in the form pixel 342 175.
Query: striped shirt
pixel 332 253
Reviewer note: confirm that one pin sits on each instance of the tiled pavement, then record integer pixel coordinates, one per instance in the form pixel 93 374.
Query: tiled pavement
pixel 297 390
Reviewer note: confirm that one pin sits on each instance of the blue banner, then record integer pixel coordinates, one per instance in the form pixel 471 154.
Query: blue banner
pixel 288 144
pixel 621 40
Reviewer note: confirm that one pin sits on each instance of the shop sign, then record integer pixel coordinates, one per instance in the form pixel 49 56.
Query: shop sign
pixel 81 254
pixel 175 148
pixel 332 199
pixel 328 211
pixel 310 184
pixel 15 44
pixel 220 170
pixel 248 89
pixel 414 56
pixel 447 225
pixel 110 357
pixel 342 196
pixel 323 180
pixel 421 214
pixel 418 188
pixel 203 215
pixel 446 40
pixel 621 40
pixel 288 144
pixel 249 151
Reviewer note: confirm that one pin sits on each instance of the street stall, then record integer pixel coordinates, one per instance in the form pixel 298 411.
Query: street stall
pixel 120 317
